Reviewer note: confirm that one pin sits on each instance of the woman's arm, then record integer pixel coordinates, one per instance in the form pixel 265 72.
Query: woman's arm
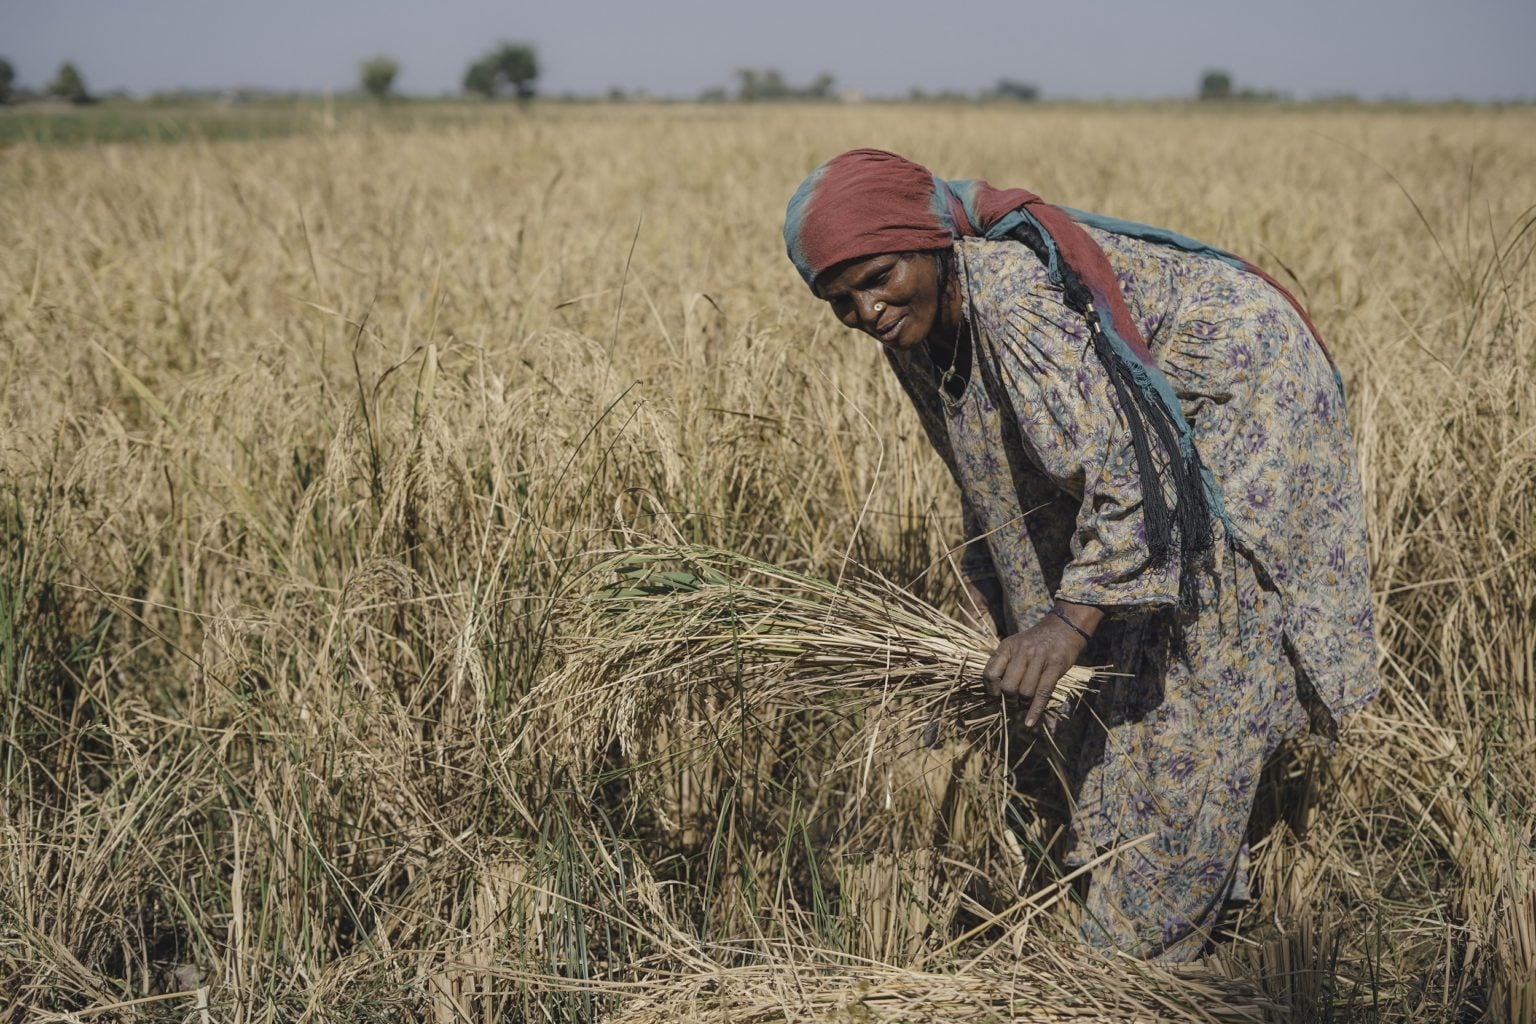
pixel 1071 427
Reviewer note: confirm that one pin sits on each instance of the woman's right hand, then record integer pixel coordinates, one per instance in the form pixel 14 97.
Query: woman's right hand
pixel 1030 663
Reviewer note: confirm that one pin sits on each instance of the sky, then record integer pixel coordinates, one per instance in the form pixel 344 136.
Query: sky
pixel 1409 49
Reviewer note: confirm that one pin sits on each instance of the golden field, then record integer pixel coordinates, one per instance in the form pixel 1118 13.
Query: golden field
pixel 309 446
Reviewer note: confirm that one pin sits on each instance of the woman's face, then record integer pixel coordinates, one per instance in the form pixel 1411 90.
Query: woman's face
pixel 893 297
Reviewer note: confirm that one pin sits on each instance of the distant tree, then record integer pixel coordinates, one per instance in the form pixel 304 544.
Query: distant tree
pixel 480 77
pixel 769 84
pixel 68 84
pixel 378 75
pixel 518 63
pixel 512 64
pixel 7 79
pixel 749 87
pixel 760 84
pixel 1253 95
pixel 1008 89
pixel 773 85
pixel 1215 85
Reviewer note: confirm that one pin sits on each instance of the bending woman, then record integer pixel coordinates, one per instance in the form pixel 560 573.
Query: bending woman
pixel 1155 468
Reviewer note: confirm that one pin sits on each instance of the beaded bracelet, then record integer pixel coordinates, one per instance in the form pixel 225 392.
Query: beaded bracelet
pixel 1056 611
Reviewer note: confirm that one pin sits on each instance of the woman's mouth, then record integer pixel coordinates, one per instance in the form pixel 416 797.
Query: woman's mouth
pixel 888 332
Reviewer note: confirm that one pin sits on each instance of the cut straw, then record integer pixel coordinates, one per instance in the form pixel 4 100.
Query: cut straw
pixel 715 621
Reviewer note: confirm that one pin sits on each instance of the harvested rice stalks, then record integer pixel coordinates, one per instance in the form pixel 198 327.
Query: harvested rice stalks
pixel 663 620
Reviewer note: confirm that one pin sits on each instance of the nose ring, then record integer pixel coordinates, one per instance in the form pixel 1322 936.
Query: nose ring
pixel 879 307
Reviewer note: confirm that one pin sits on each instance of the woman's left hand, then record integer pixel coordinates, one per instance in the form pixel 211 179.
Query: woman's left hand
pixel 1030 663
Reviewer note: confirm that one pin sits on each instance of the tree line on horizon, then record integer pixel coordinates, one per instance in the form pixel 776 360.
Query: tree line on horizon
pixel 513 68
pixel 67 84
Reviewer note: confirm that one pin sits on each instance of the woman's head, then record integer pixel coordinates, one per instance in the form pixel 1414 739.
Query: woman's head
pixel 869 231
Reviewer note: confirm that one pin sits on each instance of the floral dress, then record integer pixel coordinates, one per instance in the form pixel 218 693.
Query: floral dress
pixel 1167 756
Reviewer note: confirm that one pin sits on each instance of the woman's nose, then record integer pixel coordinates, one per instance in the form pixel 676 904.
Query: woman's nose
pixel 869 310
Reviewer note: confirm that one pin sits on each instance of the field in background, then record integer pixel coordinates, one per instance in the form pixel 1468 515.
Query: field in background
pixel 54 123
pixel 307 442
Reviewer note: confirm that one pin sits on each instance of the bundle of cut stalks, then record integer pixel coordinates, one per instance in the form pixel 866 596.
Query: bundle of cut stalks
pixel 664 620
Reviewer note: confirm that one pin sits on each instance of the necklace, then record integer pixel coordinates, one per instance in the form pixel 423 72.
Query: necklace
pixel 951 374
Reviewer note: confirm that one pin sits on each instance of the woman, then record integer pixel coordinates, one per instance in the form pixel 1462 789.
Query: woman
pixel 1155 468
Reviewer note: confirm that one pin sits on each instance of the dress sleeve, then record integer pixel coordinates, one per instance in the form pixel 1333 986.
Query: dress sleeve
pixel 1042 364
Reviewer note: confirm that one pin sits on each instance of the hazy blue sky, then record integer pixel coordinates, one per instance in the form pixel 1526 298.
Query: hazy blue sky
pixel 1477 49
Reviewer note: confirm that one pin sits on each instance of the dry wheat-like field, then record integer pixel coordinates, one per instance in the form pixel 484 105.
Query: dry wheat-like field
pixel 309 448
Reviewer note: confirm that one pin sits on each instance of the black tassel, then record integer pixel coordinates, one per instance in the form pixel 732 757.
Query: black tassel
pixel 1190 515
